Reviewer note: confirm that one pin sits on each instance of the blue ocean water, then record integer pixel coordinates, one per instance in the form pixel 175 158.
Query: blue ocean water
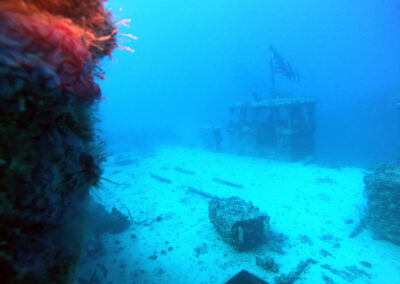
pixel 193 59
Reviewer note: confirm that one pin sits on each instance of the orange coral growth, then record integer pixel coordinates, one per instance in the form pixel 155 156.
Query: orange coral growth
pixel 54 49
pixel 62 39
pixel 87 19
pixel 129 35
pixel 49 153
pixel 123 22
pixel 127 48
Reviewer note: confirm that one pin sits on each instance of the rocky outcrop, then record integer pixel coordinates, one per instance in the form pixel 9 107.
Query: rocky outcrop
pixel 49 153
pixel 382 190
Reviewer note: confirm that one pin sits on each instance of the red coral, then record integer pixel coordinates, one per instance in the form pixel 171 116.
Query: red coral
pixel 56 43
pixel 54 47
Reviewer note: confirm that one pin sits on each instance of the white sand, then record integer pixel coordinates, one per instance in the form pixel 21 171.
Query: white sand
pixel 300 200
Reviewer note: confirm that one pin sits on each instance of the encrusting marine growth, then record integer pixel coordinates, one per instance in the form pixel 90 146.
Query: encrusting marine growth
pixel 49 153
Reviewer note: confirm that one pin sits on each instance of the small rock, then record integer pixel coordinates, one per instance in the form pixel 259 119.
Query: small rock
pixel 325 253
pixel 366 264
pixel 306 240
pixel 153 257
pixel 267 263
pixel 201 249
pixel 327 279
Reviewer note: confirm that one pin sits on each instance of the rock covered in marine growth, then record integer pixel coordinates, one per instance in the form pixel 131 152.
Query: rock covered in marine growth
pixel 382 190
pixel 50 154
pixel 102 221
pixel 238 222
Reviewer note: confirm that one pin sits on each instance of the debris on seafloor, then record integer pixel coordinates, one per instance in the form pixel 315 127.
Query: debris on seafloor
pixel 294 275
pixel 110 181
pixel 243 277
pixel 366 264
pixel 327 279
pixel 154 256
pixel 95 248
pixel 325 253
pixel 105 222
pixel 183 171
pixel 238 222
pixel 327 180
pixel 126 162
pixel 201 249
pixel 95 277
pixel 131 160
pixel 383 203
pixel 350 273
pixel 331 239
pixel 92 280
pixel 103 269
pixel 102 222
pixel 267 263
pixel 144 220
pixel 228 183
pixel 304 239
pixel 200 192
pixel 358 229
pixel 160 179
pixel 129 212
pixel 276 242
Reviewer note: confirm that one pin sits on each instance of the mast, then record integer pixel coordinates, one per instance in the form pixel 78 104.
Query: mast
pixel 272 76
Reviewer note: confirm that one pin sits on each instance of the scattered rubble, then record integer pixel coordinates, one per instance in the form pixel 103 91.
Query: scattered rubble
pixel 325 253
pixel 183 171
pixel 358 229
pixel 350 273
pixel 201 249
pixel 304 239
pixel 267 263
pixel 228 183
pixel 160 179
pixel 294 275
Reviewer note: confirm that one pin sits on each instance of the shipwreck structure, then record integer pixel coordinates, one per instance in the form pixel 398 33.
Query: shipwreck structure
pixel 281 125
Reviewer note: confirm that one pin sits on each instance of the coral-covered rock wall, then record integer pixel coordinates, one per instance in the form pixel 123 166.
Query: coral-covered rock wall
pixel 382 190
pixel 49 153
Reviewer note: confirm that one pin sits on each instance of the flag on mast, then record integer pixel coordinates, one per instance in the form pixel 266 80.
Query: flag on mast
pixel 280 66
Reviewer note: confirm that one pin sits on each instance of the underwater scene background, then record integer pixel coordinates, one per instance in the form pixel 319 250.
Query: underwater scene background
pixel 192 61
pixel 200 141
pixel 197 58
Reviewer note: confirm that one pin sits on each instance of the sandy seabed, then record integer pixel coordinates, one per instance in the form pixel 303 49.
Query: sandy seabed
pixel 173 241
